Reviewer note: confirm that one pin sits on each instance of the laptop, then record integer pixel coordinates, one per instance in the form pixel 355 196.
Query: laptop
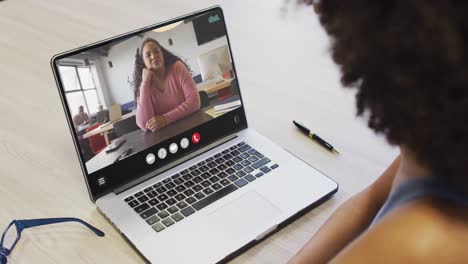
pixel 202 189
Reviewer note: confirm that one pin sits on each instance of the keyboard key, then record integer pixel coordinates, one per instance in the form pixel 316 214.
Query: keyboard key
pixel 212 165
pixel 175 176
pixel 152 194
pixel 227 157
pixel 161 190
pixel 250 177
pixel 187 211
pixel 168 222
pixel 169 185
pixel 208 191
pixel 265 169
pixel 195 173
pixel 187 177
pixel 214 197
pixel 206 175
pixel 148 189
pixel 184 172
pixel 248 169
pixel 258 175
pixel 209 159
pixel 222 175
pixel 241 174
pixel 214 171
pixel 180 188
pixel 152 220
pixel 244 155
pixel 214 179
pixel 233 178
pixel 189 192
pixel 251 151
pixel 159 184
pixel 197 179
pixel 141 208
pixel 166 180
pixel 161 206
pixel 171 201
pixel 238 167
pixel 171 193
pixel 206 183
pixel 199 195
pixel 225 151
pixel 180 197
pixel 241 144
pixel 244 148
pixel 162 197
pixel 133 203
pixel 181 204
pixel 229 163
pixel 222 167
pixel 230 171
pixel 274 166
pixel 148 213
pixel 153 202
pixel 235 153
pixel 163 214
pixel 201 163
pixel 216 186
pixel 217 155
pixel 189 184
pixel 177 217
pixel 158 227
pixel 190 200
pixel 143 198
pixel 240 182
pixel 193 167
pixel 260 163
pixel 237 159
pixel 204 168
pixel 224 182
pixel 197 188
pixel 246 163
pixel 220 160
pixel 253 158
pixel 128 199
pixel 178 181
pixel 138 194
pixel 172 209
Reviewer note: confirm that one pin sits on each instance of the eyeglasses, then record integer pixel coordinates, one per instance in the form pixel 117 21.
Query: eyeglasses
pixel 11 235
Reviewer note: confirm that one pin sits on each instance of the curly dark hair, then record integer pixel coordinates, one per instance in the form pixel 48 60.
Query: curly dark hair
pixel 169 59
pixel 408 61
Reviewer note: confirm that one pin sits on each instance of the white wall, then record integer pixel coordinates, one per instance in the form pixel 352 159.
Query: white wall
pixel 122 56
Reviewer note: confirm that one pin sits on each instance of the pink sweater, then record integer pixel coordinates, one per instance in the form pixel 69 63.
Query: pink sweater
pixel 178 99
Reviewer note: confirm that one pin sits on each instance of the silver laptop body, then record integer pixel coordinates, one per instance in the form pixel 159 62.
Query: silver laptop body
pixel 222 223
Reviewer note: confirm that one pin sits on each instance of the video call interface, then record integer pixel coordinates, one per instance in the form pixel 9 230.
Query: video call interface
pixel 132 94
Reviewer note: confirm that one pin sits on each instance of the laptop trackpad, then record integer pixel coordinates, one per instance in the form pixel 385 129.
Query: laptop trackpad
pixel 249 214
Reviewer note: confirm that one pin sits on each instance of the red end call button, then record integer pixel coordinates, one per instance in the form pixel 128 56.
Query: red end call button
pixel 195 138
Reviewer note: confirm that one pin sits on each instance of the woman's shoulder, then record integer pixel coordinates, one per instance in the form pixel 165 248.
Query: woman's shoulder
pixel 416 232
pixel 179 67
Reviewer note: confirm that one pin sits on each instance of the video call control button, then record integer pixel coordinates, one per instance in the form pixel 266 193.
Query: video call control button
pixel 195 138
pixel 173 148
pixel 162 153
pixel 184 143
pixel 150 158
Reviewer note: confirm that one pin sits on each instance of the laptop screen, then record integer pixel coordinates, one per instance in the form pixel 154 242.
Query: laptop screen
pixel 144 99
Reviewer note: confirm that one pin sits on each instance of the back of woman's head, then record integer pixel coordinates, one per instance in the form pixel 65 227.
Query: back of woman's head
pixel 408 60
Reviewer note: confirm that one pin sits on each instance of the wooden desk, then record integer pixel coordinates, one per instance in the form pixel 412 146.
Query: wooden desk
pixel 214 86
pixel 106 127
pixel 140 140
pixel 284 73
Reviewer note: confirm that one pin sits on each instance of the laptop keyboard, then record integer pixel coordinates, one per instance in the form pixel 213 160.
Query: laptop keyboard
pixel 179 196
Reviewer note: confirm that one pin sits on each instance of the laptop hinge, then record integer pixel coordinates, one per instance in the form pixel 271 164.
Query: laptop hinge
pixel 173 164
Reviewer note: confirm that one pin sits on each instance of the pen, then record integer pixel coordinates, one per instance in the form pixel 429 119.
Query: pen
pixel 316 138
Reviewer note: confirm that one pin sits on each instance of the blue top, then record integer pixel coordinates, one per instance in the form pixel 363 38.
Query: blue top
pixel 422 187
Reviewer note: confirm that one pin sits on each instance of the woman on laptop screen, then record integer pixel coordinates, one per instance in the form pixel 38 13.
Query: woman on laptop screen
pixel 164 90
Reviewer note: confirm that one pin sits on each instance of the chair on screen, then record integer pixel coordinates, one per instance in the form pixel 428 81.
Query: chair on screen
pixel 97 142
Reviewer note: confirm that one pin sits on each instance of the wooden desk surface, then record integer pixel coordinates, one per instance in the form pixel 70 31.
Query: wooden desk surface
pixel 284 73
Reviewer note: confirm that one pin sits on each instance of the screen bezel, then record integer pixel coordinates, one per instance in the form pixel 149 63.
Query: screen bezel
pixel 119 174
